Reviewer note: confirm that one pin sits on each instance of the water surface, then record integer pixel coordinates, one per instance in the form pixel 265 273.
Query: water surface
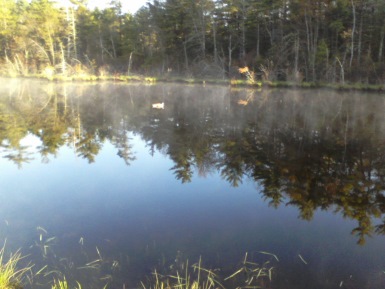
pixel 93 172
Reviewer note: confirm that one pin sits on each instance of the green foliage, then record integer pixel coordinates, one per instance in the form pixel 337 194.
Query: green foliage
pixel 322 55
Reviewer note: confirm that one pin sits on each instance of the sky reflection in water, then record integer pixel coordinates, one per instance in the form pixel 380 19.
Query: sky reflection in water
pixel 162 205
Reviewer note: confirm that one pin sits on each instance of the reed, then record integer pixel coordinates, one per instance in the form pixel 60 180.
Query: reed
pixel 56 270
pixel 249 275
pixel 63 284
pixel 10 275
pixel 192 277
pixel 253 274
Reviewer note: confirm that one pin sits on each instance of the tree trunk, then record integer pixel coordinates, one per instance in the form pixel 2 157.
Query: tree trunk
pixel 185 55
pixel 312 43
pixel 215 41
pixel 63 60
pixel 243 44
pixel 230 51
pixel 353 31
pixel 359 46
pixel 296 57
pixel 203 31
pixel 113 45
pixel 342 71
pixel 52 50
pixel 129 64
pixel 74 34
pixel 381 48
pixel 315 48
pixel 308 41
pixel 101 45
pixel 258 41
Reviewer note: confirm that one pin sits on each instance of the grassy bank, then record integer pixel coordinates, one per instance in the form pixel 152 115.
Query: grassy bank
pixel 209 81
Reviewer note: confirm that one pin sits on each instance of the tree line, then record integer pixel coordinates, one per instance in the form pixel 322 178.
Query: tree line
pixel 295 40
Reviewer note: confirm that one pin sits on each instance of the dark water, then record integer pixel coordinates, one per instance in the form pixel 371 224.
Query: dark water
pixel 102 188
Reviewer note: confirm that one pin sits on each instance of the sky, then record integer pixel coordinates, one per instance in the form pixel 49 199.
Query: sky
pixel 127 5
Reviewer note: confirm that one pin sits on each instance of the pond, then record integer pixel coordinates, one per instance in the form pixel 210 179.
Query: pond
pixel 99 186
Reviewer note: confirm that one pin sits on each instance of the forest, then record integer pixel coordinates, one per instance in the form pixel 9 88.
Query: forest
pixel 340 41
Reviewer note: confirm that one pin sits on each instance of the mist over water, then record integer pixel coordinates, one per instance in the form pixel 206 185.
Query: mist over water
pixel 218 172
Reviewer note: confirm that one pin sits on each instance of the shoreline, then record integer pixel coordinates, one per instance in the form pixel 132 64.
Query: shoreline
pixel 377 88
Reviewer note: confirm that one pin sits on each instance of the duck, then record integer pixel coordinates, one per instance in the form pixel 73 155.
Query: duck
pixel 159 105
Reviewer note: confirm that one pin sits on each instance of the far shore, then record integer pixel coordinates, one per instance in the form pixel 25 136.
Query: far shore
pixel 257 84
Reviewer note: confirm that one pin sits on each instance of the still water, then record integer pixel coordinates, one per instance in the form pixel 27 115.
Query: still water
pixel 99 187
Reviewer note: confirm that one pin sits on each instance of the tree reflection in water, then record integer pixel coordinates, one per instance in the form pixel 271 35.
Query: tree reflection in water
pixel 309 149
